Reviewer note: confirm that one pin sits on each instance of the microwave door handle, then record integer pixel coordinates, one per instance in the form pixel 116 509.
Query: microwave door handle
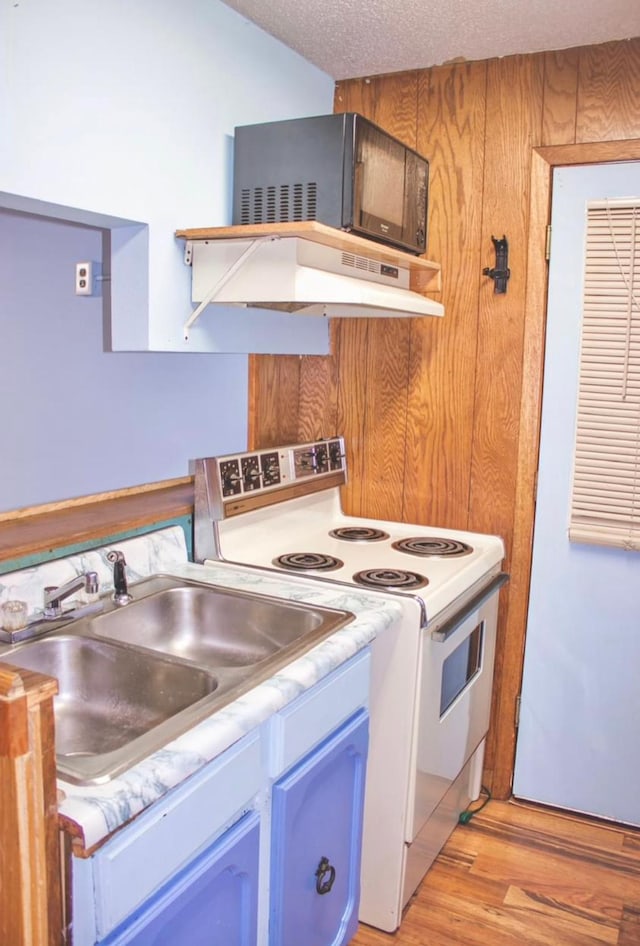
pixel 358 183
pixel 445 631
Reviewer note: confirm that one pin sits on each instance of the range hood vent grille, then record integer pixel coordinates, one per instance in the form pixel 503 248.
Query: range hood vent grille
pixel 361 262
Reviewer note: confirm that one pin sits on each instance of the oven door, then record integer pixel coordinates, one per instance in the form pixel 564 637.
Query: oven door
pixel 454 701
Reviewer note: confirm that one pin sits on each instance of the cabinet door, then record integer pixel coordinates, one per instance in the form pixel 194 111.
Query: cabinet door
pixel 212 902
pixel 143 857
pixel 316 840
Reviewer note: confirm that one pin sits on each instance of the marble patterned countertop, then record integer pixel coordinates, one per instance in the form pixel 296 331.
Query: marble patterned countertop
pixel 92 813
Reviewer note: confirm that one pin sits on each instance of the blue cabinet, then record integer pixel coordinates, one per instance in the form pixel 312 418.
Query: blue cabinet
pixel 315 842
pixel 178 875
pixel 212 902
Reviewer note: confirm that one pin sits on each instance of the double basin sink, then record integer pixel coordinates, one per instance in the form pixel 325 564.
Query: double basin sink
pixel 133 678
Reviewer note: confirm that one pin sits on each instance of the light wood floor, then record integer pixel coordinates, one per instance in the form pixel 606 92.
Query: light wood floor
pixel 523 876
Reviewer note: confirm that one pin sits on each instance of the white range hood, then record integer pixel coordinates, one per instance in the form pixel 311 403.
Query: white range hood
pixel 336 276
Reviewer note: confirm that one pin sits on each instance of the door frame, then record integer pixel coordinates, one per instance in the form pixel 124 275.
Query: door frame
pixel 543 162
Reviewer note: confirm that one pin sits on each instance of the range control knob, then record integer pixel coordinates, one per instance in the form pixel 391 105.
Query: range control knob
pixel 322 459
pixel 270 469
pixel 336 456
pixel 251 474
pixel 307 460
pixel 230 477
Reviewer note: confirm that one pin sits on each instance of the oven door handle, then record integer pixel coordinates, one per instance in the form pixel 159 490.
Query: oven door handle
pixel 445 631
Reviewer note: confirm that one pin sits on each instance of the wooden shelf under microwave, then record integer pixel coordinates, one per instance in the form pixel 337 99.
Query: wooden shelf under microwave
pixel 424 274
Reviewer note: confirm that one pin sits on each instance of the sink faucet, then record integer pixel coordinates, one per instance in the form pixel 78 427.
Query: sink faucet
pixel 54 596
pixel 120 589
pixel 52 614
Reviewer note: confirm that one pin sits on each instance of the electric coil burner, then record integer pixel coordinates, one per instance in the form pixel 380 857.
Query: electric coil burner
pixel 308 561
pixel 431 670
pixel 390 578
pixel 359 534
pixel 429 545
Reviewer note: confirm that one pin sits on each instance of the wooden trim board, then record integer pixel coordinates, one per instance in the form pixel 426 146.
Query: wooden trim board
pixel 40 529
pixel 424 274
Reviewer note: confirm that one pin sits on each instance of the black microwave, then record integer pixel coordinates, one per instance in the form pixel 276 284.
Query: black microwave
pixel 341 170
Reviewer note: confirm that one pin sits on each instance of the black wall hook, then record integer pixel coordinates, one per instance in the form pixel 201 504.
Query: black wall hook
pixel 501 273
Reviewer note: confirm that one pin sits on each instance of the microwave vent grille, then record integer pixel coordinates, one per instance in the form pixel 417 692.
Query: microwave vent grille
pixel 283 203
pixel 360 262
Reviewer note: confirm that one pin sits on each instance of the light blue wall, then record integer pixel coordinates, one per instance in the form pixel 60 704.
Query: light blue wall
pixel 128 109
pixel 125 109
pixel 75 419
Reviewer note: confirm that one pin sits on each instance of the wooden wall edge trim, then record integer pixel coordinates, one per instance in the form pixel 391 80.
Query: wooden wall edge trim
pixel 252 406
pixel 544 160
pixel 30 893
pixel 71 523
pixel 26 512
pixel 592 152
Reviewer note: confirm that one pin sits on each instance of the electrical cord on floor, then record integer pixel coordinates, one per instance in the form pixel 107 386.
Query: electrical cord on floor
pixel 466 815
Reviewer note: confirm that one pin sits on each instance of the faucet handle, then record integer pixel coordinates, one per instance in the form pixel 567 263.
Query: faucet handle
pixel 91 583
pixel 53 609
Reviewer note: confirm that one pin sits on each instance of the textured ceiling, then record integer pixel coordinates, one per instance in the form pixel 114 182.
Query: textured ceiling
pixel 349 38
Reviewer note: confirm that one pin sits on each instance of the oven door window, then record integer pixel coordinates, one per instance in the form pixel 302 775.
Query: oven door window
pixel 461 666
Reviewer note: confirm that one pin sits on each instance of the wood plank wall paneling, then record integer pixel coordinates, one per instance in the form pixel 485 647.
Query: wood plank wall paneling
pixel 387 366
pixel 465 452
pixel 378 444
pixel 513 126
pixel 514 91
pixel 353 410
pixel 440 402
pixel 560 92
pixel 318 394
pixel 609 92
pixel 389 101
pixel 274 393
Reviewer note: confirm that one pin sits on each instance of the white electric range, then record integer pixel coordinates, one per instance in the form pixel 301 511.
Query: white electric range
pixel 432 673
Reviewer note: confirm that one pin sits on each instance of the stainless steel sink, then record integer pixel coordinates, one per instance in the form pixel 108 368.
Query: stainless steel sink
pixel 109 698
pixel 212 626
pixel 131 679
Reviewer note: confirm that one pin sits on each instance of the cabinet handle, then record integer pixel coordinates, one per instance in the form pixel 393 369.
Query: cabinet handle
pixel 325 868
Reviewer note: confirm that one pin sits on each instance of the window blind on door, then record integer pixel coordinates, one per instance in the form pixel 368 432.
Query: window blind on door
pixel 605 508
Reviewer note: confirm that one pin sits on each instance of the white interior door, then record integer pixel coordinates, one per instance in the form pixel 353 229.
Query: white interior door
pixel 579 736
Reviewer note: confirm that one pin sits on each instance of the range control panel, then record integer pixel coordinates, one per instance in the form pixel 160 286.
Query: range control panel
pixel 246 473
